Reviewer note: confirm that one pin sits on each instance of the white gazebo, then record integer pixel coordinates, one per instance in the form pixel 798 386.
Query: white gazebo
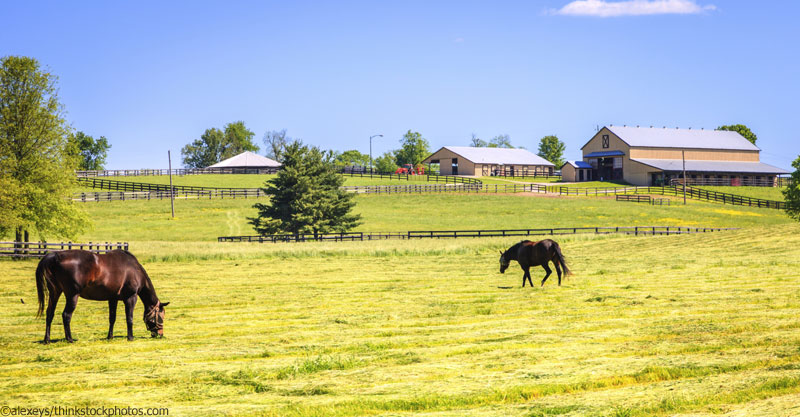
pixel 247 162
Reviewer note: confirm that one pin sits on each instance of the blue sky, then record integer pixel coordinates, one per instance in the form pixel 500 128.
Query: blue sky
pixel 152 76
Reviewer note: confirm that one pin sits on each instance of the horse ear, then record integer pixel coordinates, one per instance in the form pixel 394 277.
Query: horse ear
pixel 501 252
pixel 165 304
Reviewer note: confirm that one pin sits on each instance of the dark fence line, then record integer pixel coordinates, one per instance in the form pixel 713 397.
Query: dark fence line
pixel 442 234
pixel 636 198
pixel 39 249
pixel 115 185
pixel 177 171
pixel 733 182
pixel 447 179
pixel 691 192
pixel 165 195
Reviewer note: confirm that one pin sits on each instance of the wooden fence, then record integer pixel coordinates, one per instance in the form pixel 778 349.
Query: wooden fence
pixel 734 182
pixel 39 249
pixel 96 197
pixel 636 198
pixel 177 171
pixel 691 192
pixel 452 234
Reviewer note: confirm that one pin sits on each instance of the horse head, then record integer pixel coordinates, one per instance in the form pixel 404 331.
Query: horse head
pixel 503 262
pixel 154 319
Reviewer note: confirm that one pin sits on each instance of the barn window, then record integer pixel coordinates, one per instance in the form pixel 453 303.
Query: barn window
pixel 605 141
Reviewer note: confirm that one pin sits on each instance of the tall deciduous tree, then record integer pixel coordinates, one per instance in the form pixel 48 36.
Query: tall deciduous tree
pixel 215 145
pixel 742 130
pixel 275 141
pixel 92 152
pixel 477 142
pixel 386 163
pixel 36 165
pixel 306 196
pixel 552 149
pixel 352 157
pixel 413 149
pixel 501 141
pixel 792 193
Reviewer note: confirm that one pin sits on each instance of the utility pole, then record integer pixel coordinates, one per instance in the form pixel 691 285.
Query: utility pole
pixel 370 151
pixel 683 157
pixel 171 189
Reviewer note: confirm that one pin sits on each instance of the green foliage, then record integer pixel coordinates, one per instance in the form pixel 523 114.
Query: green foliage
pixel 275 141
pixel 742 130
pixel 36 165
pixel 305 196
pixel 792 193
pixel 215 145
pixel 552 149
pixel 413 149
pixel 477 142
pixel 352 157
pixel 501 141
pixel 91 152
pixel 386 162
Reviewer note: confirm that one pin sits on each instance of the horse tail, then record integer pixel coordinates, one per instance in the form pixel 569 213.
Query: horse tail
pixel 43 276
pixel 561 259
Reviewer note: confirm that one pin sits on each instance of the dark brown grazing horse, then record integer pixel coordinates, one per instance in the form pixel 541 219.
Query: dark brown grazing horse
pixel 529 254
pixel 113 276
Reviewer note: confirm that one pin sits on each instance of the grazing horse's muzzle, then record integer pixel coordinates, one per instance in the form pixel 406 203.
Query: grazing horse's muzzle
pixel 154 320
pixel 503 263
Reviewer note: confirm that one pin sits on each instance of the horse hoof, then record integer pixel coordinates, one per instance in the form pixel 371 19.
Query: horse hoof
pixel 70 341
pixel 130 338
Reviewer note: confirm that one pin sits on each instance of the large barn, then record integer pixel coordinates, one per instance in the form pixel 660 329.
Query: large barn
pixel 484 162
pixel 654 156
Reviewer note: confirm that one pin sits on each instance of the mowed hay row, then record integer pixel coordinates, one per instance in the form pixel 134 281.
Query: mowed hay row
pixel 646 326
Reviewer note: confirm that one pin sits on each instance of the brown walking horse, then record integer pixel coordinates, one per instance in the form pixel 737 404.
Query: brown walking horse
pixel 113 276
pixel 529 254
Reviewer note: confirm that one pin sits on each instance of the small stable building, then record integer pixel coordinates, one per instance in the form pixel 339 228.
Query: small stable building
pixel 654 156
pixel 484 162
pixel 247 162
pixel 573 171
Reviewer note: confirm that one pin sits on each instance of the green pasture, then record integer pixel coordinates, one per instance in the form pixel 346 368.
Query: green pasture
pixel 692 325
pixel 205 220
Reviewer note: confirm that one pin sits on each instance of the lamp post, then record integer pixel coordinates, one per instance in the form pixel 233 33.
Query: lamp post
pixel 370 151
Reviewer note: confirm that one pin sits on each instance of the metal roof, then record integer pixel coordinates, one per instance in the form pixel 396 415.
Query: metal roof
pixel 500 156
pixel 682 138
pixel 578 164
pixel 247 159
pixel 713 166
pixel 602 154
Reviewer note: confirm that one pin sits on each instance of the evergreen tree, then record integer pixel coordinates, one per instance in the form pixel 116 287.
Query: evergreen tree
pixel 36 162
pixel 552 149
pixel 792 193
pixel 306 196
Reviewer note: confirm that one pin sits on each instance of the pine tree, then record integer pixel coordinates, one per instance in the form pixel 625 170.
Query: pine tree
pixel 306 196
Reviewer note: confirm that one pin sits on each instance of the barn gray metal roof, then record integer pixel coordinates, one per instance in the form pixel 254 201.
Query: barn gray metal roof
pixel 500 156
pixel 247 159
pixel 578 164
pixel 713 166
pixel 682 138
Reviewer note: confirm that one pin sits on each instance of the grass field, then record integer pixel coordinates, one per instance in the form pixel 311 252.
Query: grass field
pixel 697 327
pixel 692 325
pixel 205 220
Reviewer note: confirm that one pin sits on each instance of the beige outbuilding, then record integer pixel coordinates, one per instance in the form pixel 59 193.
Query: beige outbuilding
pixel 484 162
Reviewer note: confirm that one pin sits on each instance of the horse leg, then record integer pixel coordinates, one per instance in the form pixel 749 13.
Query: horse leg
pixel 130 303
pixel 112 317
pixel 558 271
pixel 548 271
pixel 55 294
pixel 72 301
pixel 526 275
pixel 528 272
